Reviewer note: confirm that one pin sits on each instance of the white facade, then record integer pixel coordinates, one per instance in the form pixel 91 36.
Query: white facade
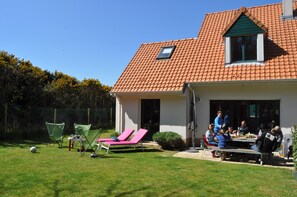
pixel 174 109
pixel 173 112
pixel 286 93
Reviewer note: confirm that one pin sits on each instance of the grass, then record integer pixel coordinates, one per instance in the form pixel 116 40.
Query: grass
pixel 54 171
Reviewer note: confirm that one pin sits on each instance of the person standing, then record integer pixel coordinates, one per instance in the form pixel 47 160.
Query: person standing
pixel 218 122
pixel 226 121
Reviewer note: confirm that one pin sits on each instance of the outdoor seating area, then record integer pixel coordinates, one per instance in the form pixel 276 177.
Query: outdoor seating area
pixel 87 139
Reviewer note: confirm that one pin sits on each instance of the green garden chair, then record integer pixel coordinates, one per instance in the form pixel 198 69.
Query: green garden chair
pixel 79 127
pixel 55 132
pixel 89 140
pixel 78 131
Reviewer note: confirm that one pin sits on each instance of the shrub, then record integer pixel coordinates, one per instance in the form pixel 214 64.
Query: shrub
pixel 294 135
pixel 114 135
pixel 168 140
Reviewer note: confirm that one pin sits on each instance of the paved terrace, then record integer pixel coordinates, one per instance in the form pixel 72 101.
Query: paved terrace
pixel 275 162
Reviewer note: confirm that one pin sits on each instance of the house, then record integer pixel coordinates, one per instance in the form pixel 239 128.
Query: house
pixel 242 61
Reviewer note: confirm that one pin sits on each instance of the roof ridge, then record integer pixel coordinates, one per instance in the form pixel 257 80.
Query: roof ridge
pixel 235 10
pixel 183 39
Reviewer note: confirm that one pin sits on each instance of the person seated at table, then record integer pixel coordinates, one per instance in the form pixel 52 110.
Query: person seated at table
pixel 267 142
pixel 210 135
pixel 243 129
pixel 223 138
pixel 279 135
pixel 231 131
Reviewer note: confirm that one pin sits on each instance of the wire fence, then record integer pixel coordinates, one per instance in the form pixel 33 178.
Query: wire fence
pixel 16 122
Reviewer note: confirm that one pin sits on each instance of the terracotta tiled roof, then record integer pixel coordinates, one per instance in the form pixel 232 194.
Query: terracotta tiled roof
pixel 244 10
pixel 202 59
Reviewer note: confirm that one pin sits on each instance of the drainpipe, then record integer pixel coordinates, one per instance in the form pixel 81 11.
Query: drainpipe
pixel 119 109
pixel 194 116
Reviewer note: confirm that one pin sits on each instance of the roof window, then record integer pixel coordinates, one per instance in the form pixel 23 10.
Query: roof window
pixel 166 52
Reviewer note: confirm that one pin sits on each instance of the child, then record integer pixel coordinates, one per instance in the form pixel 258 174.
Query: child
pixel 223 138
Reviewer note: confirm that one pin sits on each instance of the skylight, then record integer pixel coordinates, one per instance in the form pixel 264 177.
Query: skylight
pixel 166 52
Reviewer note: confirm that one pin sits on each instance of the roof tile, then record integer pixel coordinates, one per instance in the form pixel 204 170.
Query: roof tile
pixel 202 59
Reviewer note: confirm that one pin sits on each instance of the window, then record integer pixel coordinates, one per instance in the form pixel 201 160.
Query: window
pixel 244 48
pixel 166 52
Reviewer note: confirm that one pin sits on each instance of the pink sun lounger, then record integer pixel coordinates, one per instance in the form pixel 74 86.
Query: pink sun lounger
pixel 124 136
pixel 135 140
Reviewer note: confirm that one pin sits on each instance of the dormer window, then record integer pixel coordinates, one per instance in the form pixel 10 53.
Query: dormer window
pixel 243 48
pixel 166 52
pixel 244 39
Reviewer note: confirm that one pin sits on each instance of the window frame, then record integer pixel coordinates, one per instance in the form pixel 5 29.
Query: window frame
pixel 244 48
pixel 163 55
pixel 259 52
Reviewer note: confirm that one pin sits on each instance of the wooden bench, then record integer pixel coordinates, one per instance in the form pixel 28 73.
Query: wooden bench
pixel 238 150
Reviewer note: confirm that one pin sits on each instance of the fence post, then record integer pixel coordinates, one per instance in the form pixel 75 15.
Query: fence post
pixel 55 115
pixel 5 118
pixel 110 118
pixel 88 115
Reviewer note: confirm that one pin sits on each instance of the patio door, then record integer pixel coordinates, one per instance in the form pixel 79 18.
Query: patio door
pixel 150 116
pixel 257 113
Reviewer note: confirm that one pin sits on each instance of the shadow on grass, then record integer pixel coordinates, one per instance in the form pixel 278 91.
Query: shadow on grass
pixel 132 150
pixel 109 191
pixel 27 143
pixel 54 187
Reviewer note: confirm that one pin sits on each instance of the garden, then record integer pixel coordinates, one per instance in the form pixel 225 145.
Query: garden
pixel 54 171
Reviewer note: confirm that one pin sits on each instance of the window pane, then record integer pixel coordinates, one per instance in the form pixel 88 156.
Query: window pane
pixel 243 48
pixel 236 49
pixel 250 48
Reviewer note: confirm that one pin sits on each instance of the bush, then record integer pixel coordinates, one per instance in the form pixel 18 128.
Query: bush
pixel 114 135
pixel 168 140
pixel 294 135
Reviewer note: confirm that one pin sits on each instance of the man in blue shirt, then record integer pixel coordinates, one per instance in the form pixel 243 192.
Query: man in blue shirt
pixel 218 122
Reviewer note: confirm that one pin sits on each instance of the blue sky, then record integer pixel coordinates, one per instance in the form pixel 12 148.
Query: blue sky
pixel 97 38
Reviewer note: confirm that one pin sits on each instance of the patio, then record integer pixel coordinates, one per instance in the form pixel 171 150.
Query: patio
pixel 276 161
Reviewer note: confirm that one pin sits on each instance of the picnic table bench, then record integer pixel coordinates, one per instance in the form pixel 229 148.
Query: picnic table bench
pixel 238 150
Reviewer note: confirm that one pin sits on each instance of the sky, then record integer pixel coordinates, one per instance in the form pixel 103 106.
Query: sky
pixel 98 38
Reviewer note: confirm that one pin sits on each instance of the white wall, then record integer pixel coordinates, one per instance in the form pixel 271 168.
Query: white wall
pixel 173 113
pixel 287 94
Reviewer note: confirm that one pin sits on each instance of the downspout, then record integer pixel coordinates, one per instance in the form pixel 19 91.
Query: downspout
pixel 194 116
pixel 120 115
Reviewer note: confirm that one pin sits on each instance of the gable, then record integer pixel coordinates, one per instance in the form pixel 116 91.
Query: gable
pixel 243 26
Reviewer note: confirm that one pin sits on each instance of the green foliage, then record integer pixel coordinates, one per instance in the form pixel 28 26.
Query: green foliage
pixel 25 88
pixel 168 140
pixel 114 134
pixel 294 134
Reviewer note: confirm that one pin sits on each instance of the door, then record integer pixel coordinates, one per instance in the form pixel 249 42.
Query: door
pixel 150 116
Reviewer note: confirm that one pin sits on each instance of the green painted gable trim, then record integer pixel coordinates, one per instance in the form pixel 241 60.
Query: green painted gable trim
pixel 243 26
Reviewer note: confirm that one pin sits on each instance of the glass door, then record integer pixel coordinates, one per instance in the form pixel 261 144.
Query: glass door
pixel 150 116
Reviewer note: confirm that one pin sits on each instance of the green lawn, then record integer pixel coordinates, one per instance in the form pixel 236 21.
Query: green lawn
pixel 54 171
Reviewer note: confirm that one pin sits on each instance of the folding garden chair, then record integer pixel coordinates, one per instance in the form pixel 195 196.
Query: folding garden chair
pixel 79 127
pixel 78 132
pixel 89 140
pixel 55 131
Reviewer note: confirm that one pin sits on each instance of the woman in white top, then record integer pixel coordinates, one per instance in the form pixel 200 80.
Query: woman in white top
pixel 210 135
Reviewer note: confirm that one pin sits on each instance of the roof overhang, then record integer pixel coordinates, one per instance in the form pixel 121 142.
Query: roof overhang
pixel 241 82
pixel 148 93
